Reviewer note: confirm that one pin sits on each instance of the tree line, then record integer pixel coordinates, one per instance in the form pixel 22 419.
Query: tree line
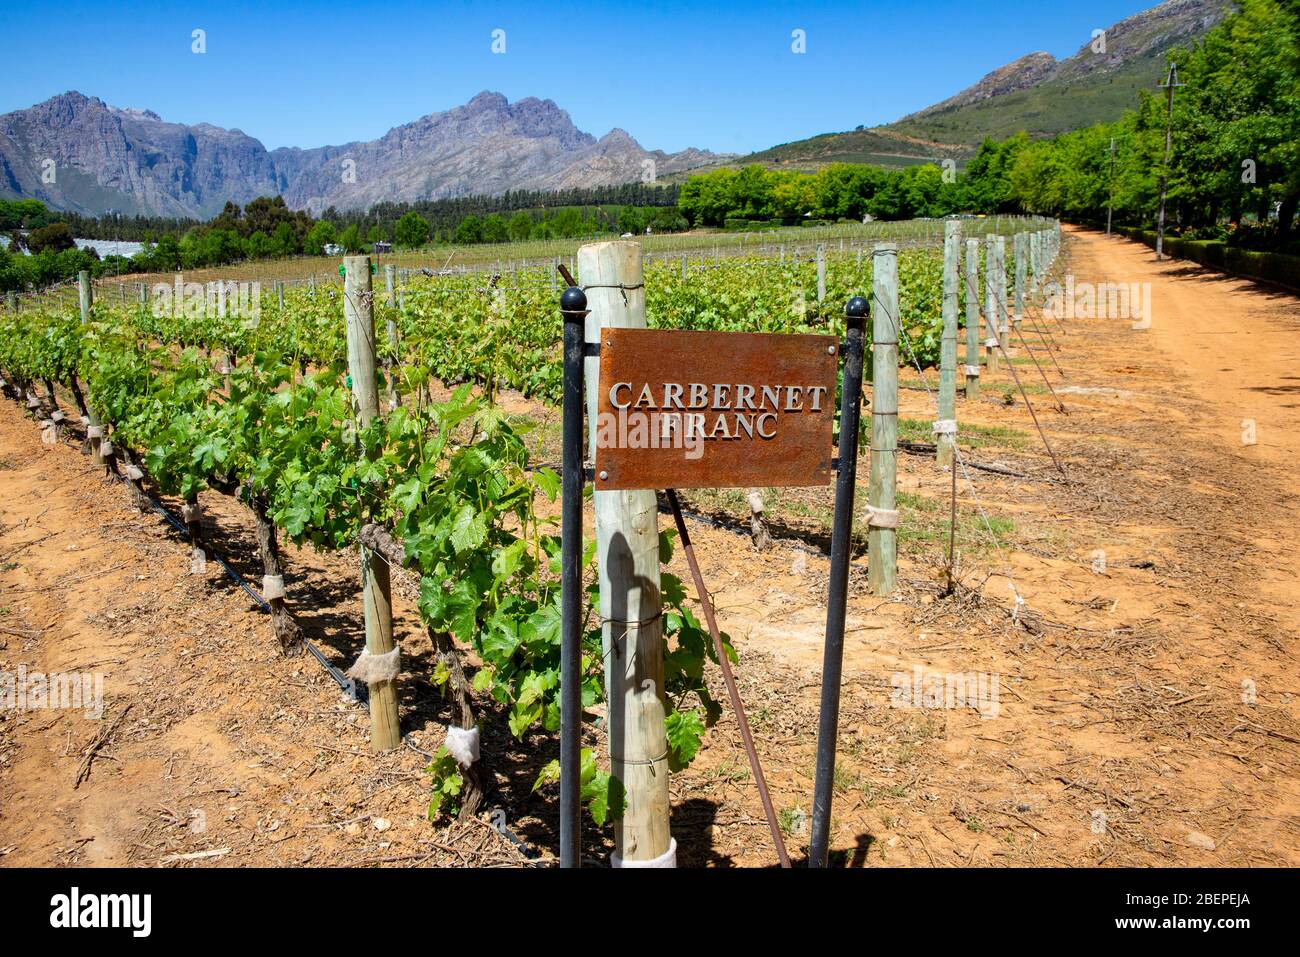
pixel 1234 171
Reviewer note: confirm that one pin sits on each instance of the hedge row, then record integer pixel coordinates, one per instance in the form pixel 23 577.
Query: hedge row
pixel 1272 267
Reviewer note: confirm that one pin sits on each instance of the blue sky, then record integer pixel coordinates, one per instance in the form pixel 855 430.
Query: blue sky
pixel 672 73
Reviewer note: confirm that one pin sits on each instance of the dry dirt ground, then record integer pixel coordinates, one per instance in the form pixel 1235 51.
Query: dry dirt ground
pixel 1146 710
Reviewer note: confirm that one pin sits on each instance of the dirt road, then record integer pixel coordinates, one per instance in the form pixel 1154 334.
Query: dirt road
pixel 1236 345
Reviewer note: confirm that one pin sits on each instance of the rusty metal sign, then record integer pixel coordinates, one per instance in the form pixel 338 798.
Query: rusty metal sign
pixel 681 409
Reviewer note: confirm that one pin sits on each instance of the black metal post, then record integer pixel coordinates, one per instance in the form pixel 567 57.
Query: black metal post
pixel 573 306
pixel 833 657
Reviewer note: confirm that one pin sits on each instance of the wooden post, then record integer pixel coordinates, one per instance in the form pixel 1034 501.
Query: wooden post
pixel 279 294
pixel 390 361
pixel 990 303
pixel 358 311
pixel 12 298
pixel 1035 261
pixel 94 428
pixel 627 553
pixel 882 515
pixel 821 276
pixel 1004 330
pixel 972 318
pixel 946 428
pixel 1021 239
pixel 311 286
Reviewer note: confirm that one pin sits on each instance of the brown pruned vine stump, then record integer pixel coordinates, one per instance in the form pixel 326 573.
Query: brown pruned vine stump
pixel 287 631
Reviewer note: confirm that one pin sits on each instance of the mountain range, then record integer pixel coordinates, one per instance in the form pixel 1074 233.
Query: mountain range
pixel 132 161
pixel 108 159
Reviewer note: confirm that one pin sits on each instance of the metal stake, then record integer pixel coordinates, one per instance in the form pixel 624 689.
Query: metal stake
pixel 573 306
pixel 855 314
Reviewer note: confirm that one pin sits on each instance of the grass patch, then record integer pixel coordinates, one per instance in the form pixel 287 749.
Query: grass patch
pixel 924 520
pixel 969 435
pixel 792 821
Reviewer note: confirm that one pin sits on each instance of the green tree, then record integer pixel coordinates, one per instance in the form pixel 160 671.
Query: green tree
pixel 469 230
pixel 350 239
pixel 520 226
pixel 494 229
pixel 284 241
pixel 411 231
pixel 55 237
pixel 321 235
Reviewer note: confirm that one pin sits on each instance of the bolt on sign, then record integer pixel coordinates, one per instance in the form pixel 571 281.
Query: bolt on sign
pixel 679 409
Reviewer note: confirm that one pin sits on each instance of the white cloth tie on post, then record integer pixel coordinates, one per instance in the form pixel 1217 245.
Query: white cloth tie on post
pixel 882 517
pixel 756 502
pixel 972 371
pixel 373 668
pixel 990 343
pixel 667 859
pixel 272 586
pixel 94 431
pixel 945 427
pixel 462 744
pixel 134 473
pixel 190 513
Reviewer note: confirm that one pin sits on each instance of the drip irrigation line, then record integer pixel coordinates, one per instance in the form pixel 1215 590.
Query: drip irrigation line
pixel 355 690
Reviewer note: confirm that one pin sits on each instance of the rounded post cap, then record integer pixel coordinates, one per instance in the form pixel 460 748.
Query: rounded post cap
pixel 573 301
pixel 857 308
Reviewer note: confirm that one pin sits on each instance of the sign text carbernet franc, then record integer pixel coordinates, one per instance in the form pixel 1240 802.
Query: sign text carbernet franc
pixel 714 409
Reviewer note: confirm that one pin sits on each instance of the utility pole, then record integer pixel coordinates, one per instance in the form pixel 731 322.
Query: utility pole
pixel 1168 86
pixel 1110 200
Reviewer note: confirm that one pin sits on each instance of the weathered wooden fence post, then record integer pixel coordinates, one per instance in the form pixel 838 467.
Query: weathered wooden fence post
pixel 990 303
pixel 94 428
pixel 1035 263
pixel 972 368
pixel 821 276
pixel 390 361
pixel 1004 328
pixel 945 429
pixel 627 552
pixel 11 298
pixel 1021 243
pixel 380 662
pixel 882 508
